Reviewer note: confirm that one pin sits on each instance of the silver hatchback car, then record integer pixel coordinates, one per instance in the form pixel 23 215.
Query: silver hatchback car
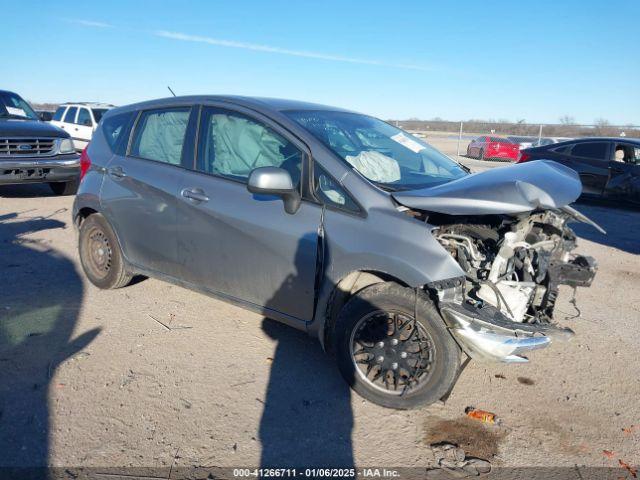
pixel 336 223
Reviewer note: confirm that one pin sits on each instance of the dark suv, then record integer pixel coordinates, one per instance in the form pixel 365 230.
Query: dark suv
pixel 33 151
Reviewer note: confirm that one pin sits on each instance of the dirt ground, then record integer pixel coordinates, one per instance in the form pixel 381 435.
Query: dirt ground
pixel 155 375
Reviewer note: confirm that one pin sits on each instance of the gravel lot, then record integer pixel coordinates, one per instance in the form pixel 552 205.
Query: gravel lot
pixel 93 378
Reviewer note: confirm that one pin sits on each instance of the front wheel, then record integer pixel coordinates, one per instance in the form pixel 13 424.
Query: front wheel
pixel 389 356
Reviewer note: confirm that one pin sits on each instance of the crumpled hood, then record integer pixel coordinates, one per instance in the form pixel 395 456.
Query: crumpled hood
pixel 518 188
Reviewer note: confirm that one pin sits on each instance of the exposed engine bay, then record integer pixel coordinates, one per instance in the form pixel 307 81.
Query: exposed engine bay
pixel 515 263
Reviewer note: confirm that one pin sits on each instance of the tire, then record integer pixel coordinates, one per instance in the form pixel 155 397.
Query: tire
pixel 367 319
pixel 100 254
pixel 64 188
pixel 481 154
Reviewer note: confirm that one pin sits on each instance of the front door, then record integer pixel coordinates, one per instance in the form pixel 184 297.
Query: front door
pixel 624 173
pixel 140 190
pixel 239 245
pixel 591 161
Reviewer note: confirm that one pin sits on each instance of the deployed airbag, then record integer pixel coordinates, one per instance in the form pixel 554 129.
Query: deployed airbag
pixel 375 166
pixel 242 145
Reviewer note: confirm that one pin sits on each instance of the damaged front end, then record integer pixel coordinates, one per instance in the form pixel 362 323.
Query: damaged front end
pixel 514 262
pixel 513 268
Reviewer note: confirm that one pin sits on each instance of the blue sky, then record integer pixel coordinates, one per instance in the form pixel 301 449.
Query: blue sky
pixel 455 60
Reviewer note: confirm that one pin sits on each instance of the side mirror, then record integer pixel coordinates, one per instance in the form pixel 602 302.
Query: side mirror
pixel 45 116
pixel 275 181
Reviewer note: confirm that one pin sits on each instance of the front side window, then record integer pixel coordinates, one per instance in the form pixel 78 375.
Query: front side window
pixel 595 150
pixel 233 144
pixel 12 105
pixel 386 155
pixel 160 135
pixel 84 118
pixel 329 192
pixel 58 115
pixel 70 117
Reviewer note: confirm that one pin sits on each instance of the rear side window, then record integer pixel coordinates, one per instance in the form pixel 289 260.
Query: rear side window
pixel 595 150
pixel 70 117
pixel 84 118
pixel 59 112
pixel 116 131
pixel 97 113
pixel 159 135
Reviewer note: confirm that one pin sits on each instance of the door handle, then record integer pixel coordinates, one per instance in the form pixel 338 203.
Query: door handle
pixel 196 195
pixel 116 172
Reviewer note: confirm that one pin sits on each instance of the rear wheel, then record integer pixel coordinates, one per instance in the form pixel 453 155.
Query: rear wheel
pixel 100 254
pixel 481 154
pixel 389 356
pixel 64 188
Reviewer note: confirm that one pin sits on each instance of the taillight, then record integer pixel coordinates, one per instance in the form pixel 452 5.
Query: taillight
pixel 523 157
pixel 85 163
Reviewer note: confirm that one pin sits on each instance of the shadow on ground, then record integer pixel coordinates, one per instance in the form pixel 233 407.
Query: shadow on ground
pixel 40 297
pixel 622 226
pixel 307 418
pixel 26 191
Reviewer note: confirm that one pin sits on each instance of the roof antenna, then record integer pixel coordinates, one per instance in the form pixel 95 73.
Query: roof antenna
pixel 171 91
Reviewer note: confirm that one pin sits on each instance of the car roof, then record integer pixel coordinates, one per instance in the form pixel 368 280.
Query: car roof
pixel 598 139
pixel 87 104
pixel 256 103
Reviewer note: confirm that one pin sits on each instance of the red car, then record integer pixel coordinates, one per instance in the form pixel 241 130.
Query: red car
pixel 499 148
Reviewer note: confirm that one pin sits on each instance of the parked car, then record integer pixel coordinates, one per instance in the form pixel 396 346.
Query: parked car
pixel 45 115
pixel 544 141
pixel 523 142
pixel 492 148
pixel 32 151
pixel 336 223
pixel 80 120
pixel 609 168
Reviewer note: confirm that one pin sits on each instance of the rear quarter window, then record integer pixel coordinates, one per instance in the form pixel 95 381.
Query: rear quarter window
pixel 115 129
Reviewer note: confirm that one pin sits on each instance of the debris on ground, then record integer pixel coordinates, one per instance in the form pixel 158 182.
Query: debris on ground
pixel 500 376
pixel 451 460
pixel 525 381
pixel 629 431
pixel 482 415
pixel 628 468
pixel 477 440
pixel 608 453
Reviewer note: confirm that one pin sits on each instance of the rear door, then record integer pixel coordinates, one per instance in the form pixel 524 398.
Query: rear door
pixel 140 188
pixel 83 129
pixel 591 161
pixel 242 246
pixel 624 173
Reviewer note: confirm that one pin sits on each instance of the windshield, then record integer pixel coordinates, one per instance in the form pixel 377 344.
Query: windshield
pixel 97 113
pixel 386 155
pixel 12 106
